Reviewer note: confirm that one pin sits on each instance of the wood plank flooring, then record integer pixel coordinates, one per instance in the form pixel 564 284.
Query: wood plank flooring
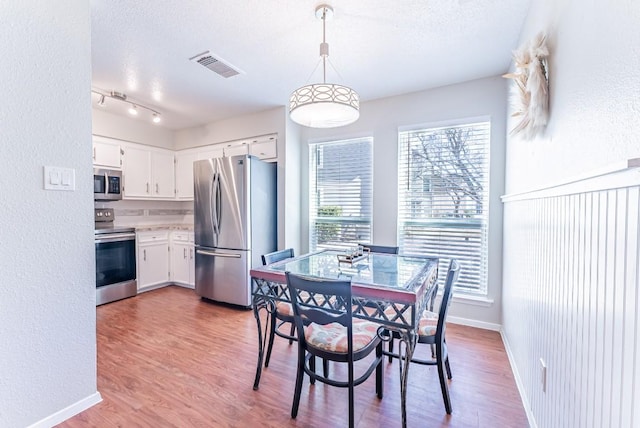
pixel 168 359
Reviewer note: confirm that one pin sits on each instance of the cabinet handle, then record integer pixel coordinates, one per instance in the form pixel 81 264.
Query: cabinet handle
pixel 94 153
pixel 156 187
pixel 191 253
pixel 184 253
pixel 147 187
pixel 144 255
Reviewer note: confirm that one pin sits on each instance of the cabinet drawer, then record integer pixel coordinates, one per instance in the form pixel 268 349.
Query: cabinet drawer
pixel 180 236
pixel 152 237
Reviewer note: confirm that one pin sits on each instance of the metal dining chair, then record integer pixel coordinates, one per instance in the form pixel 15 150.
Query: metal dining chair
pixel 329 331
pixel 431 331
pixel 283 313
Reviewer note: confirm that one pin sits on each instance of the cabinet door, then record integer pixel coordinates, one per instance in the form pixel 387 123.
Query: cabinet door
pixel 162 169
pixel 192 266
pixel 211 152
pixel 153 264
pixel 180 263
pixel 136 172
pixel 236 148
pixel 106 154
pixel 264 149
pixel 184 175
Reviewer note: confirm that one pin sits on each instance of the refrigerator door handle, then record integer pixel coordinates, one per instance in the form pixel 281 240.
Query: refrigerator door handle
pixel 218 205
pixel 211 253
pixel 212 189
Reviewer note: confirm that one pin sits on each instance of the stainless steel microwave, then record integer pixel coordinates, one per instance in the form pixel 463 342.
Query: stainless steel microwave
pixel 107 184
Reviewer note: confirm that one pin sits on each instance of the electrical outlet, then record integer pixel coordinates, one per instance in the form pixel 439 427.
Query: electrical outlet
pixel 543 375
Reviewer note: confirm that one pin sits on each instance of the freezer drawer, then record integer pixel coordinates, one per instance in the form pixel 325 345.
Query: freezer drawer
pixel 223 276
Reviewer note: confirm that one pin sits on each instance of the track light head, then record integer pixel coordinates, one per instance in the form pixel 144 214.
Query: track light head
pixel 134 107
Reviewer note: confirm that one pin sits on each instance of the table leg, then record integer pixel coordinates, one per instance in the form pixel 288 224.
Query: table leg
pixel 260 303
pixel 408 338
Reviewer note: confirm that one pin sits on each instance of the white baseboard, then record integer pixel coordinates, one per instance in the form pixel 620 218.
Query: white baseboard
pixel 519 384
pixel 474 323
pixel 68 412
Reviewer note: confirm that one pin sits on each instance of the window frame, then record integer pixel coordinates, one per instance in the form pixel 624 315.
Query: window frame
pixel 316 156
pixel 404 200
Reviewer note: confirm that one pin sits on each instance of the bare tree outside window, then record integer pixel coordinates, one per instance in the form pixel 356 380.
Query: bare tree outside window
pixel 443 198
pixel 445 163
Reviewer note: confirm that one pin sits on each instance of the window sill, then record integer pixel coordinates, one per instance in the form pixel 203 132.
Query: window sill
pixel 470 299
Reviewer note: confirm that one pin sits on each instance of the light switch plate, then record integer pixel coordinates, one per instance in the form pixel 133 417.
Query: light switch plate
pixel 57 178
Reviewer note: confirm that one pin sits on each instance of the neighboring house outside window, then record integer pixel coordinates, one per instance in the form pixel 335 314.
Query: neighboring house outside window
pixel 340 193
pixel 443 198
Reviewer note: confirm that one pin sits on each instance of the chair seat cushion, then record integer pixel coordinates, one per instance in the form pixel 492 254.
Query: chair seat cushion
pixel 333 337
pixel 284 308
pixel 428 324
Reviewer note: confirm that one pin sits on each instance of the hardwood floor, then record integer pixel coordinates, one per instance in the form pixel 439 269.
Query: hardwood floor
pixel 168 359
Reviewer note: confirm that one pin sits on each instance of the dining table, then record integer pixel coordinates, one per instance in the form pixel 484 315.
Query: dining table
pixel 389 289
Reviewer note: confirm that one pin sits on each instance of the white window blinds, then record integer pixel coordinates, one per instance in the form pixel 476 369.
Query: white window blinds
pixel 443 198
pixel 340 193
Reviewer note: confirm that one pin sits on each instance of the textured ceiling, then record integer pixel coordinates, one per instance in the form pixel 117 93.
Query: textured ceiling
pixel 379 48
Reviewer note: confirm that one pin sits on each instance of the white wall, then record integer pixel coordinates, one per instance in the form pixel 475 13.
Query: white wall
pixel 130 129
pixel 583 328
pixel 381 120
pixel 252 125
pixel 47 276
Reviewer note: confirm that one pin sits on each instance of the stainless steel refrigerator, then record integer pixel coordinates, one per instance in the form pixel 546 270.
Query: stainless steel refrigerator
pixel 234 224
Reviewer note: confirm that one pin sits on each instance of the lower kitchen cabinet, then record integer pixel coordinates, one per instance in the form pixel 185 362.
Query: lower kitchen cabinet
pixel 182 259
pixel 153 259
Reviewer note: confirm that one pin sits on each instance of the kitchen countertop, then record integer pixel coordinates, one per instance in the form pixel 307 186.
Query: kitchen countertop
pixel 154 227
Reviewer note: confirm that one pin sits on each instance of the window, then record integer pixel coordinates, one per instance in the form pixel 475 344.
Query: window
pixel 340 193
pixel 443 198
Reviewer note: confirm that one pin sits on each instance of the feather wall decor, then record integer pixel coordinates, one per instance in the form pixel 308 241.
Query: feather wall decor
pixel 531 87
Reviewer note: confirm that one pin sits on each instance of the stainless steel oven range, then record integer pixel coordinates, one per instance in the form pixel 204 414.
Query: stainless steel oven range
pixel 115 259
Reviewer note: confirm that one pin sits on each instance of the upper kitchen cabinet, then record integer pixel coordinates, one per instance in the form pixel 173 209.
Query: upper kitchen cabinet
pixel 148 173
pixel 234 148
pixel 264 147
pixel 106 153
pixel 184 173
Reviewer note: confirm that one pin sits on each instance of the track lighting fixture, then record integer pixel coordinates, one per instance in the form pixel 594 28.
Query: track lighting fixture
pixel 134 107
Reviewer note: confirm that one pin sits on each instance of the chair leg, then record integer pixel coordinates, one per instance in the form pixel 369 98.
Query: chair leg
pixel 351 398
pixel 379 373
pixel 312 366
pixel 448 367
pixel 443 382
pixel 272 333
pixel 292 332
pixel 299 378
pixel 391 347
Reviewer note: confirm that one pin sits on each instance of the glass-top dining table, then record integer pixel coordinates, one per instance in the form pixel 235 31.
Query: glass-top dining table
pixel 391 290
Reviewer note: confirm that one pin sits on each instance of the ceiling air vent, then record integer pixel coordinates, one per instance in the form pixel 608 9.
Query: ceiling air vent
pixel 216 64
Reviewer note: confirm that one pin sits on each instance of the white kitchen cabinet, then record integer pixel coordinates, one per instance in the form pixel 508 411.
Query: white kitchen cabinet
pixel 106 153
pixel 162 174
pixel 184 174
pixel 182 259
pixel 148 173
pixel 184 168
pixel 234 148
pixel 264 148
pixel 153 259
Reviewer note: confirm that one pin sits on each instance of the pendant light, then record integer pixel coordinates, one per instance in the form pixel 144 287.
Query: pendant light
pixel 324 105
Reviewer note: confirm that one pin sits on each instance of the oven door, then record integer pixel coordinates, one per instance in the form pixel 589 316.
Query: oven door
pixel 115 258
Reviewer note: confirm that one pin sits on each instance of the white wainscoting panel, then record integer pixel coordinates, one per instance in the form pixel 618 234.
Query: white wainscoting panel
pixel 571 298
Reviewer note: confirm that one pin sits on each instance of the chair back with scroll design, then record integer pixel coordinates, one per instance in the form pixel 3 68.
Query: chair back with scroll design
pixel 322 310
